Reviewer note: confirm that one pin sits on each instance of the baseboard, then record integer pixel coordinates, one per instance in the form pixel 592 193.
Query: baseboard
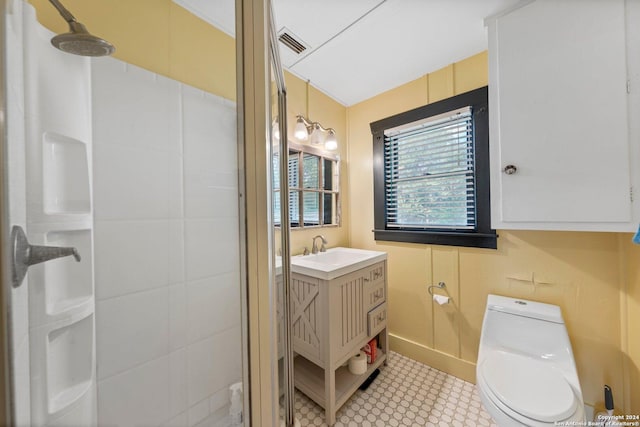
pixel 589 412
pixel 434 358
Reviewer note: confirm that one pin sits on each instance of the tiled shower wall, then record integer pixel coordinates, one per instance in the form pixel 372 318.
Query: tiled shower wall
pixel 166 249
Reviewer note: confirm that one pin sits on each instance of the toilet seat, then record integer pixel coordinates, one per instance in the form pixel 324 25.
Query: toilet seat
pixel 527 388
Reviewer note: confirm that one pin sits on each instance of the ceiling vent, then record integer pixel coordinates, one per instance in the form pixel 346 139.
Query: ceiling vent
pixel 292 41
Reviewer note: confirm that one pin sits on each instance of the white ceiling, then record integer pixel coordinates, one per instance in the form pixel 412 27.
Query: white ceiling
pixel 360 48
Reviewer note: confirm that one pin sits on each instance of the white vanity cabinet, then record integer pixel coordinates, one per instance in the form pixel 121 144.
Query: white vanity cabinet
pixel 332 320
pixel 563 143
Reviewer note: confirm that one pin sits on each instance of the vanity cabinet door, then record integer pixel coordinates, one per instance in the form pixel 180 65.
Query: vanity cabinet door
pixel 348 312
pixel 306 317
pixel 558 110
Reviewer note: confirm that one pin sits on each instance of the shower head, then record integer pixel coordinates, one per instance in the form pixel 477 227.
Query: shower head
pixel 78 41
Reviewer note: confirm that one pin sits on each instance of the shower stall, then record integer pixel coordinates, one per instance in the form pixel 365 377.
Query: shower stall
pixel 154 175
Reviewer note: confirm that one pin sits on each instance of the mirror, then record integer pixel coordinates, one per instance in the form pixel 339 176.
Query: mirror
pixel 313 187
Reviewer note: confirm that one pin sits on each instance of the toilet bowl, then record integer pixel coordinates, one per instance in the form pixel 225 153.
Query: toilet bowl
pixel 526 374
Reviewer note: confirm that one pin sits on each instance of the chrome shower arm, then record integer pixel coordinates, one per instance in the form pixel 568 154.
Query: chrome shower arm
pixel 63 11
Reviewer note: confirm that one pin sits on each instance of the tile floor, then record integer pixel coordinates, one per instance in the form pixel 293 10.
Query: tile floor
pixel 406 393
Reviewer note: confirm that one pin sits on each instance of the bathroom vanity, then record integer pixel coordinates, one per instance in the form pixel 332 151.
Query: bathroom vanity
pixel 338 304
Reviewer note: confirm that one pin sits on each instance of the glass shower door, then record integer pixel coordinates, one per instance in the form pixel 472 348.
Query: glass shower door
pixel 280 202
pixel 129 163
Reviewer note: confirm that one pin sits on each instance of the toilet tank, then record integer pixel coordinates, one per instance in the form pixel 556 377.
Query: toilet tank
pixel 527 327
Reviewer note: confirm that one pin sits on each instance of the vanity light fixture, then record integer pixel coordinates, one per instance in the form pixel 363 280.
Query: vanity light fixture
pixel 314 132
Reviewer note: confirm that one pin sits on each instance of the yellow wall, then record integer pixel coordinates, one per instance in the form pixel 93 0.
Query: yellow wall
pixel 580 272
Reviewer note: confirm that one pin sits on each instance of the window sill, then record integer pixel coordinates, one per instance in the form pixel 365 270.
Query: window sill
pixel 446 238
pixel 309 227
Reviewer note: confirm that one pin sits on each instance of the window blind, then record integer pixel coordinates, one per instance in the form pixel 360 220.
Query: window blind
pixel 294 183
pixel 294 203
pixel 429 173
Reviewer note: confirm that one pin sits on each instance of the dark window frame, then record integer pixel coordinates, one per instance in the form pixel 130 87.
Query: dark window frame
pixel 483 236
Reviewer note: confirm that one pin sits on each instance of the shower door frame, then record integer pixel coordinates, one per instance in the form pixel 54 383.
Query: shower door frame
pixel 254 128
pixel 6 399
pixel 256 249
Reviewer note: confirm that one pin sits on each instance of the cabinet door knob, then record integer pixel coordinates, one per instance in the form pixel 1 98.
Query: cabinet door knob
pixel 510 169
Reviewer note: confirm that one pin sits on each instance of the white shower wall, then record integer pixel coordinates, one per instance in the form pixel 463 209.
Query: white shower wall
pixel 167 276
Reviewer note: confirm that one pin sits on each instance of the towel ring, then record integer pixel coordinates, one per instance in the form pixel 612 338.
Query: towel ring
pixel 440 285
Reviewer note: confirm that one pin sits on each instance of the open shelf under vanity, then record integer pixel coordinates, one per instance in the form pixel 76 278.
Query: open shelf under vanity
pixel 309 379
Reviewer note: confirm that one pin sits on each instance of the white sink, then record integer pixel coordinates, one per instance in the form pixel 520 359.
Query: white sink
pixel 335 262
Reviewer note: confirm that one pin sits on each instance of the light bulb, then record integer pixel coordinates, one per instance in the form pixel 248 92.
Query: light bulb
pixel 300 131
pixel 331 143
pixel 316 135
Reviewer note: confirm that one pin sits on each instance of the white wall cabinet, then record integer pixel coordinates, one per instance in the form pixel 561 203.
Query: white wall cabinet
pixel 332 321
pixel 561 114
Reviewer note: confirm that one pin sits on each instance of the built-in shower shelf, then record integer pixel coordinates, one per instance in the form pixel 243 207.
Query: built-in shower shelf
pixel 71 304
pixel 68 397
pixel 69 363
pixel 65 171
pixel 61 288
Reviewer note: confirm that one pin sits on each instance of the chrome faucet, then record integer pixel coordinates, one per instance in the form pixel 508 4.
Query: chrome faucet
pixel 314 248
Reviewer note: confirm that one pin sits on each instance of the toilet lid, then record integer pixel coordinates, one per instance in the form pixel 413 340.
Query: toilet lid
pixel 528 386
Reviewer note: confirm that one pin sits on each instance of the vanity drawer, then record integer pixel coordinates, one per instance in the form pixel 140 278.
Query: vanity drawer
pixel 376 320
pixel 374 289
pixel 374 294
pixel 377 272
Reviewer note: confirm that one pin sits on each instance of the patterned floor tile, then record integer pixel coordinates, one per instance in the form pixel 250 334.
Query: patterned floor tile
pixel 406 393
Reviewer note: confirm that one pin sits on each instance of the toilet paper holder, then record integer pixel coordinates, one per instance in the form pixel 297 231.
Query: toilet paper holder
pixel 440 285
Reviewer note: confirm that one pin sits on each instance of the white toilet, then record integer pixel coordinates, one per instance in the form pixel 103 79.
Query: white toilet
pixel 526 375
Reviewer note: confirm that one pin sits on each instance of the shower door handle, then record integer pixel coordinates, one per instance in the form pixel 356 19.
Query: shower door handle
pixel 24 254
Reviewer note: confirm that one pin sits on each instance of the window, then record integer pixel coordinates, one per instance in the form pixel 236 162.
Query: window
pixel 431 174
pixel 313 187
